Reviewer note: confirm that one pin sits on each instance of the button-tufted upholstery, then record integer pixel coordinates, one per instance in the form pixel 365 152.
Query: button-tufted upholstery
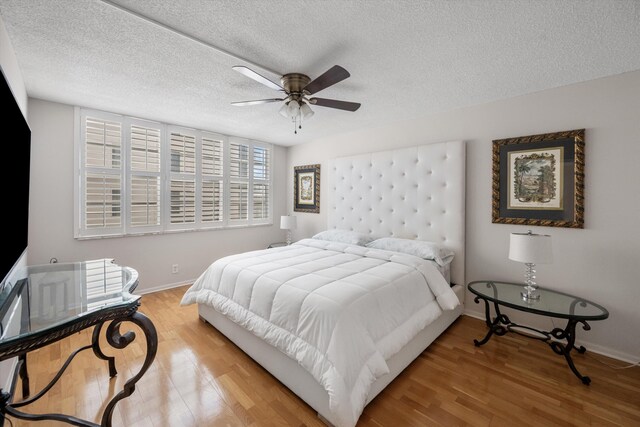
pixel 412 193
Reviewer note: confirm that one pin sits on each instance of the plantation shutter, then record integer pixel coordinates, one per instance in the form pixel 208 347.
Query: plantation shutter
pixel 182 186
pixel 183 201
pixel 103 202
pixel 212 206
pixel 212 162
pixel 101 184
pixel 261 182
pixel 238 181
pixel 135 176
pixel 238 200
pixel 145 179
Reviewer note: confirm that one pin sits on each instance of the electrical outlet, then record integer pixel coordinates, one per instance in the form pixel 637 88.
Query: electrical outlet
pixel 174 269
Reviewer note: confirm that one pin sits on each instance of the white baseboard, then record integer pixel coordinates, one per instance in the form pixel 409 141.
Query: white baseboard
pixel 591 347
pixel 163 287
pixel 614 354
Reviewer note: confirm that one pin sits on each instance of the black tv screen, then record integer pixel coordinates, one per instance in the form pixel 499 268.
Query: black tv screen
pixel 16 150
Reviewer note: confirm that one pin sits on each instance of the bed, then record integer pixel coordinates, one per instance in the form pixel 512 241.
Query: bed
pixel 291 296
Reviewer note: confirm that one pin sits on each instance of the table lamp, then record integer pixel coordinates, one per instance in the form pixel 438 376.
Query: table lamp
pixel 288 222
pixel 531 249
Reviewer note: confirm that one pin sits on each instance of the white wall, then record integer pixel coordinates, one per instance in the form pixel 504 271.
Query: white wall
pixel 51 216
pixel 601 261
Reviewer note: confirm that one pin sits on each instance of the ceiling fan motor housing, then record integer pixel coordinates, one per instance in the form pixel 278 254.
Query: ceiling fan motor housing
pixel 293 83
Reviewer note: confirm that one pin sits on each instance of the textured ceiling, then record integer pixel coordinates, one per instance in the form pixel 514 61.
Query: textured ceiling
pixel 406 58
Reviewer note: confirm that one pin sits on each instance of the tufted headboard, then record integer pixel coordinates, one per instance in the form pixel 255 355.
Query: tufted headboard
pixel 412 193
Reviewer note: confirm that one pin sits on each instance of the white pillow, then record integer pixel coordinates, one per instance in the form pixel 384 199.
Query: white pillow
pixel 420 248
pixel 344 236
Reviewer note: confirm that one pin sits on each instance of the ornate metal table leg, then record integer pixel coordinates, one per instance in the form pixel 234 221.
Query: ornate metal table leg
pixel 490 324
pixel 120 341
pixel 95 345
pixel 53 381
pixel 12 408
pixel 115 339
pixel 569 334
pixel 494 325
pixel 24 376
pixel 68 419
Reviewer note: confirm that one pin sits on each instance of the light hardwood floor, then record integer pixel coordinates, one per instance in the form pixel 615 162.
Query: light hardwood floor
pixel 199 378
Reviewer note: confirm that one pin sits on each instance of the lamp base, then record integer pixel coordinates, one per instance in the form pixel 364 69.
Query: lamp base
pixel 530 296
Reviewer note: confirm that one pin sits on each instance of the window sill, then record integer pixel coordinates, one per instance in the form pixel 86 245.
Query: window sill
pixel 186 230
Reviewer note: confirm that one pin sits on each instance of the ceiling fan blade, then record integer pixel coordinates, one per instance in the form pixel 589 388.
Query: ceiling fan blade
pixel 256 102
pixel 257 77
pixel 332 76
pixel 334 103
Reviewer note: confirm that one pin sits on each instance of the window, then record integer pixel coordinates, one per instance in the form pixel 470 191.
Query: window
pixel 183 179
pixel 138 176
pixel 239 181
pixel 261 187
pixel 212 180
pixel 145 176
pixel 102 177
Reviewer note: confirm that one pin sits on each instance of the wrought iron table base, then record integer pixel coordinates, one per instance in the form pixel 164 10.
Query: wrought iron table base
pixel 116 340
pixel 501 324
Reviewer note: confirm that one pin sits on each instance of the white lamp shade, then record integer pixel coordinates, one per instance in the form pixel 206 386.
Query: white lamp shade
pixel 288 222
pixel 530 248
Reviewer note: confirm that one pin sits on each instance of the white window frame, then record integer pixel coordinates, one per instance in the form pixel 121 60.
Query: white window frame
pixel 125 173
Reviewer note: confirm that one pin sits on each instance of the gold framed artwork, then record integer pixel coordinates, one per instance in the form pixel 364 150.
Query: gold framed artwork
pixel 306 188
pixel 539 180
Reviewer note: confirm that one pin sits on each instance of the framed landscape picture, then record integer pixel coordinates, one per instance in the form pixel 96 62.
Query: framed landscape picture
pixel 306 188
pixel 539 180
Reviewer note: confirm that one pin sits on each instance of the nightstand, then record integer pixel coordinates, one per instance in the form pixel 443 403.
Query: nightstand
pixel 552 304
pixel 276 245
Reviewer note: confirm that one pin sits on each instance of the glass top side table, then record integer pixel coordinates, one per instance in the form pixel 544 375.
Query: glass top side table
pixel 57 300
pixel 551 304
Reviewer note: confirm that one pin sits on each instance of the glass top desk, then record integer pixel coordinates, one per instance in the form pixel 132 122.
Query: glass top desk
pixel 551 304
pixel 58 300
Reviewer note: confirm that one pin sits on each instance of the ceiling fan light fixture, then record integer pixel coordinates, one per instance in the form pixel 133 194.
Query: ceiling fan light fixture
pixel 306 111
pixel 293 109
pixel 283 111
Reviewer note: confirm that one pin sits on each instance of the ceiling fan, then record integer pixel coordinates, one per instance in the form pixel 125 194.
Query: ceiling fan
pixel 298 88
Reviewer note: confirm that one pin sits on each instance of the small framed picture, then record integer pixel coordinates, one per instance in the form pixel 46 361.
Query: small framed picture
pixel 539 180
pixel 306 188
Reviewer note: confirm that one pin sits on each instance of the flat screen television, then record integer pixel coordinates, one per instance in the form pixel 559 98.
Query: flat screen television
pixel 16 151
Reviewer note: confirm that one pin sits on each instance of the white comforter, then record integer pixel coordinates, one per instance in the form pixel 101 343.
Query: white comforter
pixel 340 310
